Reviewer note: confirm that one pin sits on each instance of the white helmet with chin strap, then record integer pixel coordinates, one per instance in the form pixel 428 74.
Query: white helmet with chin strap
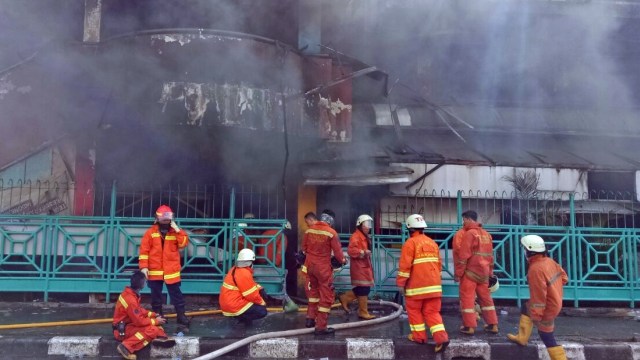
pixel 416 221
pixel 362 218
pixel 246 255
pixel 533 243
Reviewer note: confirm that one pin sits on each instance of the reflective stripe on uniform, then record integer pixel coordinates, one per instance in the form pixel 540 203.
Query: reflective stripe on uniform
pixel 418 327
pixel 483 254
pixel 122 301
pixel 143 257
pixel 149 314
pixel 155 235
pixel 436 328
pixel 468 311
pixel 488 308
pixel 172 276
pixel 554 278
pixel 244 308
pixel 538 306
pixel 230 287
pixel 145 342
pixel 304 269
pixel 314 300
pixel 170 238
pixel 153 321
pixel 425 260
pixel 247 292
pixel 139 336
pixel 424 290
pixel 403 274
pixel 320 232
pixel 324 309
pixel 156 272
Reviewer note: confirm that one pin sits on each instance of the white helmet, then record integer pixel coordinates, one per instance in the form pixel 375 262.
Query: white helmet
pixel 533 243
pixel 362 218
pixel 416 221
pixel 494 284
pixel 287 225
pixel 246 255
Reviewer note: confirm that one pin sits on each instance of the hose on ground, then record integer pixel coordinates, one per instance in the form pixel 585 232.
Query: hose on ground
pixel 274 334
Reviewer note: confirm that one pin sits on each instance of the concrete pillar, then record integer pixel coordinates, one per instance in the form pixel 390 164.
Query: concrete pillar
pixel 309 26
pixel 92 20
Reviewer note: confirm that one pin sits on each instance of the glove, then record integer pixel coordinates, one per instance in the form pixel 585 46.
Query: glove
pixel 402 291
pixel 174 226
pixel 336 264
pixel 300 258
pixel 145 271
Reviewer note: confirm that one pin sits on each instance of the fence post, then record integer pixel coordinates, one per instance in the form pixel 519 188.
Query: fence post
pixel 573 248
pixel 231 231
pixel 459 206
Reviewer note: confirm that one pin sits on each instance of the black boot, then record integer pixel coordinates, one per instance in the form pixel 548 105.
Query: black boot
pixel 183 322
pixel 310 323
pixel 327 331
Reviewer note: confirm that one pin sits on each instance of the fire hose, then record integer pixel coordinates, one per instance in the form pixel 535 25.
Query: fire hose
pixel 275 334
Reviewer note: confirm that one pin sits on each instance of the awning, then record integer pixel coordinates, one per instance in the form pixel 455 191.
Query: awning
pixel 352 174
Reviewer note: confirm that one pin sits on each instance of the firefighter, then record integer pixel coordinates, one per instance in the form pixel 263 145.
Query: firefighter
pixel 318 242
pixel 361 270
pixel 473 263
pixel 135 326
pixel 159 260
pixel 419 280
pixel 240 295
pixel 546 279
pixel 273 246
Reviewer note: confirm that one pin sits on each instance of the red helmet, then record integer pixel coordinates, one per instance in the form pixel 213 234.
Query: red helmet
pixel 164 213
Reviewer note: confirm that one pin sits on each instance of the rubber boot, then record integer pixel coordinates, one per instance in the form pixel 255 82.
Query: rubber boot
pixel 557 353
pixel 363 312
pixel 345 299
pixel 183 321
pixel 524 331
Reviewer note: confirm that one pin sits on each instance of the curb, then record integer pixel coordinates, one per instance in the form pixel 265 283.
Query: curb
pixel 295 348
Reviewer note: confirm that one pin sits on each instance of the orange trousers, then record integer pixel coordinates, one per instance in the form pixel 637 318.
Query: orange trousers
pixel 321 294
pixel 468 291
pixel 137 337
pixel 428 310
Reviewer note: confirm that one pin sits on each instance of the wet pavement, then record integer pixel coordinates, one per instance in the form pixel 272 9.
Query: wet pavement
pixel 586 326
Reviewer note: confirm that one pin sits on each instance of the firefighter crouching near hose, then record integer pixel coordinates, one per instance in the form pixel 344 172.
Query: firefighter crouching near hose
pixel 420 281
pixel 240 295
pixel 135 326
pixel 159 260
pixel 473 262
pixel 318 242
pixel 546 279
pixel 361 270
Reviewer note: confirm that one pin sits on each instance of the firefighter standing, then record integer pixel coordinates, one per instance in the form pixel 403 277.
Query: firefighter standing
pixel 318 242
pixel 135 326
pixel 274 243
pixel 473 262
pixel 546 279
pixel 361 270
pixel 240 295
pixel 159 260
pixel 420 281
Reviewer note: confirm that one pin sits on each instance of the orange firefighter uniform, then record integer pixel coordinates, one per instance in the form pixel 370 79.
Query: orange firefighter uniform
pixel 546 279
pixel 140 324
pixel 239 292
pixel 361 269
pixel 318 243
pixel 272 246
pixel 473 263
pixel 419 274
pixel 160 255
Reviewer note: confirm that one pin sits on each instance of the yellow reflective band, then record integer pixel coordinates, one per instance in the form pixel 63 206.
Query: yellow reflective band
pixel 155 235
pixel 123 302
pixel 304 269
pixel 230 287
pixel 436 328
pixel 468 311
pixel 153 321
pixel 424 290
pixel 145 342
pixel 320 232
pixel 542 306
pixel 554 278
pixel 482 254
pixel 462 262
pixel 139 336
pixel 156 272
pixel 425 260
pixel 143 257
pixel 403 274
pixel 170 237
pixel 247 292
pixel 314 300
pixel 487 308
pixel 418 327
pixel 324 309
pixel 172 276
pixel 149 314
pixel 244 308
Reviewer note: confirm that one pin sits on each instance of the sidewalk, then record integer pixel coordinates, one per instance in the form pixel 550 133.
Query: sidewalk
pixel 586 333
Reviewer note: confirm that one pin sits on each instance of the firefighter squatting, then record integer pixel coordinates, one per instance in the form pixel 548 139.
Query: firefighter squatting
pixel 418 279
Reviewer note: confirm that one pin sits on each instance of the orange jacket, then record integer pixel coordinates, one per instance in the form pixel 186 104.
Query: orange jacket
pixel 318 242
pixel 419 268
pixel 239 291
pixel 361 269
pixel 268 251
pixel 474 258
pixel 546 278
pixel 161 256
pixel 457 241
pixel 128 309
